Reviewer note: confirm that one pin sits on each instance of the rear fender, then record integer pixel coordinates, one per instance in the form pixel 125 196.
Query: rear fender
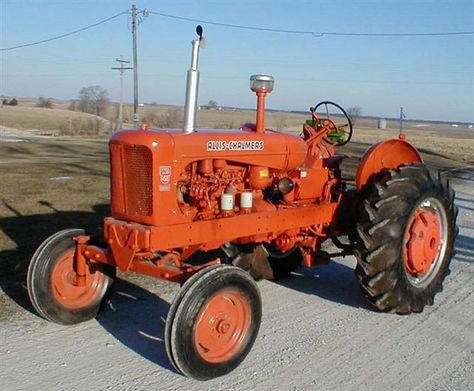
pixel 386 154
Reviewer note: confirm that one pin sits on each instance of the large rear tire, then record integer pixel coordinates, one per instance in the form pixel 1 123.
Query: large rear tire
pixel 213 322
pixel 407 228
pixel 51 287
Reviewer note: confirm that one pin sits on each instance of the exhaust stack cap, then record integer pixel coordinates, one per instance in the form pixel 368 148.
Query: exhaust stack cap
pixel 261 83
pixel 192 85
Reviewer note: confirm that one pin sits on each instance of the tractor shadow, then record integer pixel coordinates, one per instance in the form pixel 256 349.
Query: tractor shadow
pixel 26 233
pixel 464 246
pixel 334 282
pixel 136 318
pixel 466 175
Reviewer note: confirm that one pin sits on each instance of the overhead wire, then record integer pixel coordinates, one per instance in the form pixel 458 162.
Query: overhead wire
pixel 244 27
pixel 438 34
pixel 238 26
pixel 313 33
pixel 66 34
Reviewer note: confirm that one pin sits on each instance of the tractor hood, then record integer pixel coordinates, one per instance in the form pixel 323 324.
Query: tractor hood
pixel 270 149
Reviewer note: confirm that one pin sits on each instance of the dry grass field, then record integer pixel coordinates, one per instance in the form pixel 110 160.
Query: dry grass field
pixel 44 121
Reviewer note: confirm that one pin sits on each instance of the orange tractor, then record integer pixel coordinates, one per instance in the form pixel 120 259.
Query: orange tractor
pixel 216 209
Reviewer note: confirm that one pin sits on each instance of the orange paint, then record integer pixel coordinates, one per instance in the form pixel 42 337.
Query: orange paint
pixel 388 154
pixel 67 290
pixel 126 240
pixel 140 190
pixel 167 187
pixel 261 111
pixel 221 326
pixel 423 238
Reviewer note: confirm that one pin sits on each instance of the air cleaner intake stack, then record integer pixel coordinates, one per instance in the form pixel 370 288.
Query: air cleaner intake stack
pixel 192 85
pixel 261 85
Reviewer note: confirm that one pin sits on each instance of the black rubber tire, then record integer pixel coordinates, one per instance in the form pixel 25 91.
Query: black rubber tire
pixel 183 317
pixel 174 307
pixel 392 198
pixel 40 289
pixel 283 263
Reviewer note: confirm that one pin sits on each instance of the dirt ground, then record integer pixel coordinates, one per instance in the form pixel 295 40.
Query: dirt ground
pixel 317 332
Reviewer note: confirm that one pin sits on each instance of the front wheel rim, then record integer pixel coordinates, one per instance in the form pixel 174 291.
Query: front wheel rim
pixel 425 242
pixel 222 326
pixel 64 289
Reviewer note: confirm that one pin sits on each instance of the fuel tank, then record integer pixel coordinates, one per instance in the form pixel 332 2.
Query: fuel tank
pixel 146 165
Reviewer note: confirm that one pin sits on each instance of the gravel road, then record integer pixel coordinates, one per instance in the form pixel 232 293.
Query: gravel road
pixel 318 333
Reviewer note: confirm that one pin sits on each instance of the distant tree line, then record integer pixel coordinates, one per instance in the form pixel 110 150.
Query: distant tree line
pixel 211 105
pixel 11 102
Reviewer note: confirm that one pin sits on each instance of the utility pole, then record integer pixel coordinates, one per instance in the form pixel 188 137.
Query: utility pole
pixel 137 16
pixel 135 67
pixel 402 115
pixel 122 70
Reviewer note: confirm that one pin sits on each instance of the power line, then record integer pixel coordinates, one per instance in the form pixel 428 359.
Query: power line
pixel 312 33
pixel 246 27
pixel 438 34
pixel 238 26
pixel 66 34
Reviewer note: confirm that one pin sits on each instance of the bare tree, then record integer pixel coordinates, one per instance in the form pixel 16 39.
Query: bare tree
pixel 73 105
pixel 212 104
pixel 354 113
pixel 46 103
pixel 93 100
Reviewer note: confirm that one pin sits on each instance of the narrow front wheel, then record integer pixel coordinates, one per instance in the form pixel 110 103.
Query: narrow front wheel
pixel 213 323
pixel 51 282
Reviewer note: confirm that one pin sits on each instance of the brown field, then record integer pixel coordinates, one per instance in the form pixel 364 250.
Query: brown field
pixel 52 121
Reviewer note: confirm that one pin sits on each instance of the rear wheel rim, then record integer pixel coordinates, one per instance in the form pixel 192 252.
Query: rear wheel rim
pixel 222 326
pixel 425 242
pixel 65 292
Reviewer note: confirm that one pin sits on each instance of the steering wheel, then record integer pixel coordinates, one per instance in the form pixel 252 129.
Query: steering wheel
pixel 330 115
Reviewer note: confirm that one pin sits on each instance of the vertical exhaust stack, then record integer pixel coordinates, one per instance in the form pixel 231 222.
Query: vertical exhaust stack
pixel 192 85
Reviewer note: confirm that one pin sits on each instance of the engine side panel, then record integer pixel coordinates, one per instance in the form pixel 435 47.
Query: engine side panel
pixel 271 149
pixel 148 166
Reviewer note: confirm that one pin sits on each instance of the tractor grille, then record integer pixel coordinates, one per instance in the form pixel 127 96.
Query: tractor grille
pixel 132 180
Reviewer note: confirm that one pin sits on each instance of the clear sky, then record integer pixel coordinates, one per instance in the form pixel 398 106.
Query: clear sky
pixel 431 77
